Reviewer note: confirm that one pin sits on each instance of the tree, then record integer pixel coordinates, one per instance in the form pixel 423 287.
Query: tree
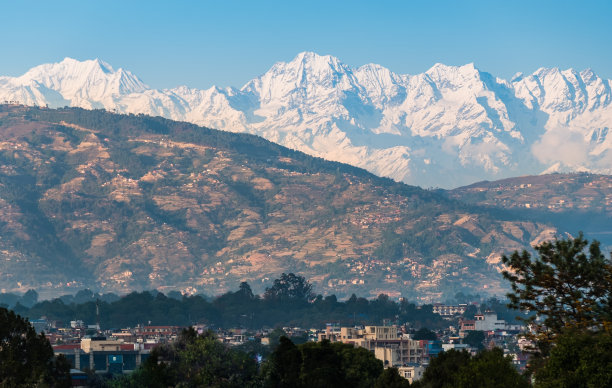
pixel 194 361
pixel 566 286
pixel 441 371
pixel 29 299
pixel 490 368
pixel 321 364
pixel 475 338
pixel 289 288
pixel 579 359
pixel 454 369
pixel 26 359
pixel 390 378
pixel 470 311
pixel 425 334
pixel 283 368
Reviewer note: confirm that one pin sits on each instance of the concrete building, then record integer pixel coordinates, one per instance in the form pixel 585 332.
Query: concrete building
pixel 386 342
pixel 411 373
pixel 488 322
pixel 101 344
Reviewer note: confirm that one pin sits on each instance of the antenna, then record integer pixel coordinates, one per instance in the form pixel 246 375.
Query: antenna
pixel 98 313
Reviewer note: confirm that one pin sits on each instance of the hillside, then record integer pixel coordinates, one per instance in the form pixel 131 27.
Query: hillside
pixel 572 202
pixel 446 127
pixel 124 202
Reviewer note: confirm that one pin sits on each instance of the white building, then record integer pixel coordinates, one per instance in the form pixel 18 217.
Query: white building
pixel 489 322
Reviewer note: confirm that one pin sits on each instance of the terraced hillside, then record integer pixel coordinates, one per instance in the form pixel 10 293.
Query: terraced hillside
pixel 572 202
pixel 124 202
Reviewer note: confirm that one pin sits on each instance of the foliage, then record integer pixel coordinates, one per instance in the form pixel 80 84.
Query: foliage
pixel 470 311
pixel 239 308
pixel 489 368
pixel 566 285
pixel 194 361
pixel 321 364
pixel 26 359
pixel 441 371
pixel 289 288
pixel 425 334
pixel 579 359
pixel 390 378
pixel 475 338
pixel 284 365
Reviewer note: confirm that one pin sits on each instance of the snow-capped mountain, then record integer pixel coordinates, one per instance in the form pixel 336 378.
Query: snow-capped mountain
pixel 446 127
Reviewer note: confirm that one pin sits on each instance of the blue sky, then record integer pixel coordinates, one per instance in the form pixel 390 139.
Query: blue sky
pixel 205 43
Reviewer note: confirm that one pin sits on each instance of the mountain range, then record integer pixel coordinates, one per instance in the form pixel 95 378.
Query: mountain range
pixel 447 127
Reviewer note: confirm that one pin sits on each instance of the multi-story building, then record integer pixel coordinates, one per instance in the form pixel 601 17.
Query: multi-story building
pixel 103 356
pixel 386 342
pixel 489 322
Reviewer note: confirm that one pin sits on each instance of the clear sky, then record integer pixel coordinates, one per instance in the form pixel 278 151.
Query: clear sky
pixel 227 43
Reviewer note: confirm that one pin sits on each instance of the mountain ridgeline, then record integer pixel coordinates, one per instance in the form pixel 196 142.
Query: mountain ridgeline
pixel 446 127
pixel 116 203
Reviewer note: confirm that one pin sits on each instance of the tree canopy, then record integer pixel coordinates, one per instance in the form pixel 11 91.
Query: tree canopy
pixel 568 285
pixel 289 288
pixel 458 369
pixel 26 359
pixel 194 360
pixel 321 364
pixel 578 359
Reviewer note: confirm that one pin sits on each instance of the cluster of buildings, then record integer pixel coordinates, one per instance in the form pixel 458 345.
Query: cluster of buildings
pixel 117 352
pixel 123 351
pixel 389 344
pixel 395 347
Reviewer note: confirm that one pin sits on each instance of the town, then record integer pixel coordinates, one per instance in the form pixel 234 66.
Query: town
pixel 90 349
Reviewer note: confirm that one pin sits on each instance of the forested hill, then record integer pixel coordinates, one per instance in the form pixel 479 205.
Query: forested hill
pixel 123 202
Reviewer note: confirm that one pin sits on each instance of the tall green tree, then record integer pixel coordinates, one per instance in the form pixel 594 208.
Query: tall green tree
pixel 26 358
pixel 579 359
pixel 284 366
pixel 425 334
pixel 567 285
pixel 441 371
pixel 289 288
pixel 321 364
pixel 475 339
pixel 488 369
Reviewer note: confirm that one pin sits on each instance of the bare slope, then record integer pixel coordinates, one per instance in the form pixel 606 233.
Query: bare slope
pixel 572 202
pixel 117 202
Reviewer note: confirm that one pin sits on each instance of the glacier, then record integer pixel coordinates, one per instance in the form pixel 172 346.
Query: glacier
pixel 447 127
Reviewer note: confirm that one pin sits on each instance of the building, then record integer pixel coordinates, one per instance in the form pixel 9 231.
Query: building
pixel 386 342
pixel 101 344
pixel 489 322
pixel 449 310
pixel 429 349
pixel 411 373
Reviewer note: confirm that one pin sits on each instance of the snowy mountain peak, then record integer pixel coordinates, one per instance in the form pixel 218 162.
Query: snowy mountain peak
pixel 448 126
pixel 84 83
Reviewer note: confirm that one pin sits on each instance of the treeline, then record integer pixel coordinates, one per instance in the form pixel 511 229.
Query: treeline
pixel 288 302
